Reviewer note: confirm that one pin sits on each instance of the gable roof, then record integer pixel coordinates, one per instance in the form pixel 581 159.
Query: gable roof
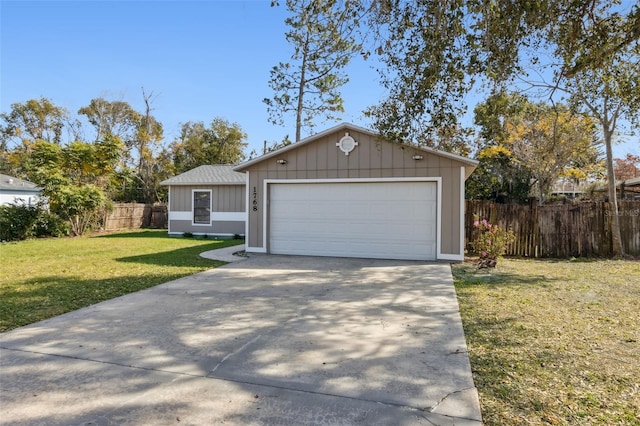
pixel 347 126
pixel 216 174
pixel 16 184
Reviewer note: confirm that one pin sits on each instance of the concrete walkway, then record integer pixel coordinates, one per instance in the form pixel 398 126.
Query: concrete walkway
pixel 225 254
pixel 271 340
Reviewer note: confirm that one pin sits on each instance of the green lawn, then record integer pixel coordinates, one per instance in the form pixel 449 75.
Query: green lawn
pixel 40 279
pixel 554 342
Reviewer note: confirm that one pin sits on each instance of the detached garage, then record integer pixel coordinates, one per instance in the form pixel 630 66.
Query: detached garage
pixel 346 193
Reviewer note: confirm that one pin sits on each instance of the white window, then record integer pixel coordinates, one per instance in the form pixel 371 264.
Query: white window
pixel 202 207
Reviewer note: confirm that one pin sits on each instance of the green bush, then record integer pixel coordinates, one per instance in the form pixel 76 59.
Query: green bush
pixel 49 225
pixel 19 222
pixel 16 221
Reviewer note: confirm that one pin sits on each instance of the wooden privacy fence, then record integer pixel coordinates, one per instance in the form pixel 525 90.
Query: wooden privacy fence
pixel 563 230
pixel 135 216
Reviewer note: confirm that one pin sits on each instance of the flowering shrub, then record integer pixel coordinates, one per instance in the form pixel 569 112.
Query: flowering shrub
pixel 490 243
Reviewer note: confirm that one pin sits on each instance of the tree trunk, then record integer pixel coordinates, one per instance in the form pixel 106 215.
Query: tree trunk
pixel 303 83
pixel 616 239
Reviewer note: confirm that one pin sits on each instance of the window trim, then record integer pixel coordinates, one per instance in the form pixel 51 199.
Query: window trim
pixel 193 207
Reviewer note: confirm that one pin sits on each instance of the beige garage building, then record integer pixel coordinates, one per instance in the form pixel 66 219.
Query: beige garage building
pixel 346 193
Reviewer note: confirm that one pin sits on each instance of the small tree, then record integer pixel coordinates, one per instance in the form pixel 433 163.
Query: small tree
pixel 81 206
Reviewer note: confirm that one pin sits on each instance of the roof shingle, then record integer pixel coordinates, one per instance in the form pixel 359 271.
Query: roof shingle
pixel 14 183
pixel 217 174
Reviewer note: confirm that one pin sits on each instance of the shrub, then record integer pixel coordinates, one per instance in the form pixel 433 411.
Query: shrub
pixel 81 206
pixel 19 222
pixel 49 225
pixel 490 243
pixel 16 221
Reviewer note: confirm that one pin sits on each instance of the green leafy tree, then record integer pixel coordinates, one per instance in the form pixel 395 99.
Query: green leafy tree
pixel 322 35
pixel 499 177
pixel 220 143
pixel 524 144
pixel 434 52
pixel 75 179
pixel 552 142
pixel 610 93
pixel 141 135
pixel 112 118
pixel 81 205
pixel 36 119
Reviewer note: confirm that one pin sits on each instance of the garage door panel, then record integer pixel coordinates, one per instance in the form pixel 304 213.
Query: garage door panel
pixel 395 220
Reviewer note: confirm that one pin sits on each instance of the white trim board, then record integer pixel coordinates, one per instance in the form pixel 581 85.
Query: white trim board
pixel 247 208
pixel 215 216
pixel 255 250
pixel 193 207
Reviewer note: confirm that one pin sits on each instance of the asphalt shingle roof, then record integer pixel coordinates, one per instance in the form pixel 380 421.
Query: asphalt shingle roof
pixel 218 174
pixel 17 184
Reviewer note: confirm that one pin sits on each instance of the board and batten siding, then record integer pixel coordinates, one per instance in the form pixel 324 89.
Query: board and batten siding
pixel 225 198
pixel 227 212
pixel 371 159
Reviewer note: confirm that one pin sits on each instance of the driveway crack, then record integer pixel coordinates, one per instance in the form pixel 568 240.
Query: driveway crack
pixel 237 351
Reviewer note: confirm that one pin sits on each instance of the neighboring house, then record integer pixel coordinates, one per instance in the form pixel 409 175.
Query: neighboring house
pixel 345 192
pixel 18 191
pixel 629 189
pixel 568 187
pixel 207 200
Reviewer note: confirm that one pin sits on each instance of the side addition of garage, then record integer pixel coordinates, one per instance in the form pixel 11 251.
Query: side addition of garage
pixel 208 200
pixel 345 192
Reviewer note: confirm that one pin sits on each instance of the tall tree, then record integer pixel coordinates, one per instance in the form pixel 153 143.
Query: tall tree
pixel 609 93
pixel 523 145
pixel 36 119
pixel 551 142
pixel 434 51
pixel 147 144
pixel 141 134
pixel 112 118
pixel 322 35
pixel 220 143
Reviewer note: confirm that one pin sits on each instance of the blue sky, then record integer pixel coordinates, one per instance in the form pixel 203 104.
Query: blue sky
pixel 201 59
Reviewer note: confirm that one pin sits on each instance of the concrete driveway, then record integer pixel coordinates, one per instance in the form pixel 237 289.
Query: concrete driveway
pixel 269 340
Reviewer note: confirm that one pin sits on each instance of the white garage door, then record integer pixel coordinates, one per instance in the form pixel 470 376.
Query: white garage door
pixel 384 220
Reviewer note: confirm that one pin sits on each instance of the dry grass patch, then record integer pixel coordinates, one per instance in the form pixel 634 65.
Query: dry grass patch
pixel 554 342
